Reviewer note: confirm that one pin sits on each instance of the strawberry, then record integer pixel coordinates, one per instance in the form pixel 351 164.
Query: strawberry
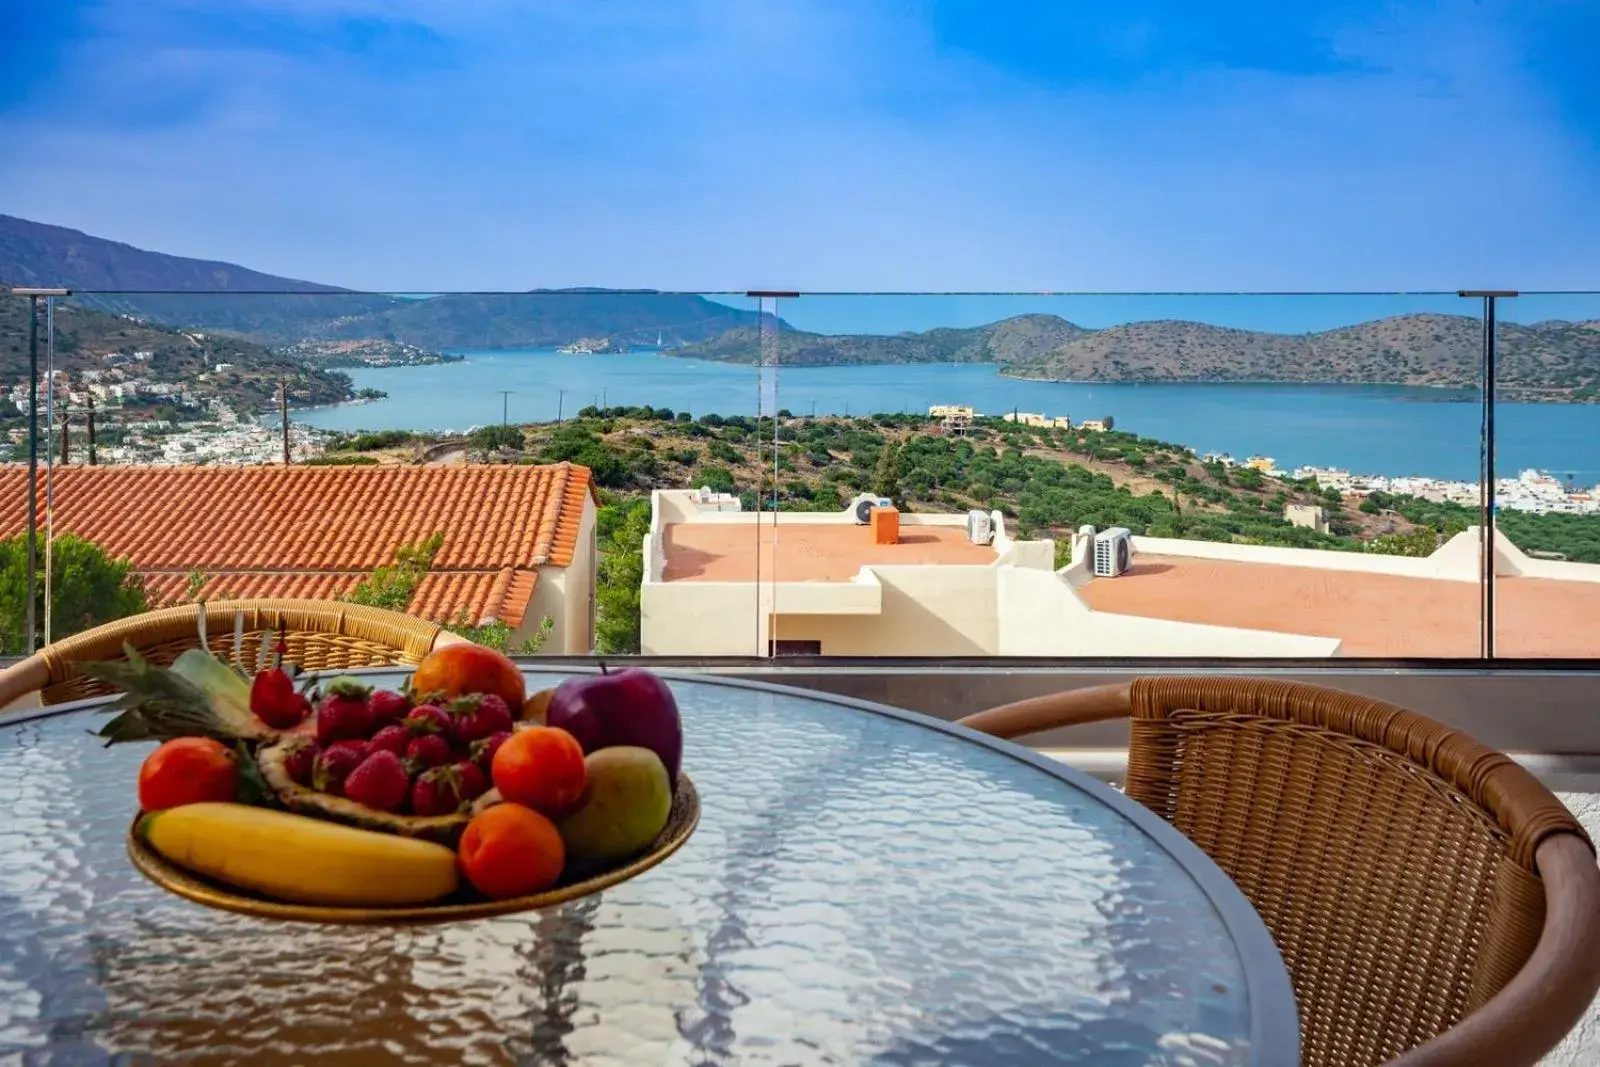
pixel 447 789
pixel 392 738
pixel 429 719
pixel 344 712
pixel 479 715
pixel 474 783
pixel 482 750
pixel 274 701
pixel 301 761
pixel 380 782
pixel 336 763
pixel 388 706
pixel 437 791
pixel 428 750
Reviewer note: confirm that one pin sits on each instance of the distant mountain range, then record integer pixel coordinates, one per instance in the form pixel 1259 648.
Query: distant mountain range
pixel 1556 360
pixel 223 297
pixel 1423 349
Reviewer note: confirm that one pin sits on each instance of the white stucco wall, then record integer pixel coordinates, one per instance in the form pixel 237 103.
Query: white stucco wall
pixel 563 595
pixel 1016 606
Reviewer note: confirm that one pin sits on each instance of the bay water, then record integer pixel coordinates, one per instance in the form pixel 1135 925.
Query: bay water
pixel 1391 430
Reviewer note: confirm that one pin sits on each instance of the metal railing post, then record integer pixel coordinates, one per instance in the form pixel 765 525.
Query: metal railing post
pixel 30 620
pixel 1487 477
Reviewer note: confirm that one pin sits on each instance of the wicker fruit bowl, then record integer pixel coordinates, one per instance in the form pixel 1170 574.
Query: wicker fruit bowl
pixel 464 904
pixel 458 796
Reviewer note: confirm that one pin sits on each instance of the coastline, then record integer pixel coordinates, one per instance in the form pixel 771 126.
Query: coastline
pixel 1511 394
pixel 1505 393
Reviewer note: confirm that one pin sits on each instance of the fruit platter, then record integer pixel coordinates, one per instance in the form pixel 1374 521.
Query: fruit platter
pixel 458 795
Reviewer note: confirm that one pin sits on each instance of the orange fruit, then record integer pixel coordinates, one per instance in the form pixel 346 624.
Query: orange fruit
pixel 188 770
pixel 540 767
pixel 511 851
pixel 457 670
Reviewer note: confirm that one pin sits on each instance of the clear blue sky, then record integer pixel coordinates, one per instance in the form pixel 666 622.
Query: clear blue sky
pixel 822 145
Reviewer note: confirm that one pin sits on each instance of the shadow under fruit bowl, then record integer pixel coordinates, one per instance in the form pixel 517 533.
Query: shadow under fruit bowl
pixel 462 906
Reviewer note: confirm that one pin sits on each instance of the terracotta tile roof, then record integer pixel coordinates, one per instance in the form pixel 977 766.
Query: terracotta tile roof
pixel 1371 614
pixel 315 531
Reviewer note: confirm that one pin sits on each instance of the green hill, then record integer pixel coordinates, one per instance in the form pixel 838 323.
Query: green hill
pixel 1551 360
pixel 85 337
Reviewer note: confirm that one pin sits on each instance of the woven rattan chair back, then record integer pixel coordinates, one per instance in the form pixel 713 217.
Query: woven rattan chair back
pixel 321 635
pixel 1392 858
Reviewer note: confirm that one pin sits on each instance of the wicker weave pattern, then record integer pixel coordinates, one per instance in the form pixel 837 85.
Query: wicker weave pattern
pixel 1390 857
pixel 321 635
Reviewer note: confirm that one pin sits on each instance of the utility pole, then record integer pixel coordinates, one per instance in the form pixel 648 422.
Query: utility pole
pixel 89 420
pixel 561 396
pixel 66 435
pixel 283 416
pixel 505 406
pixel 33 296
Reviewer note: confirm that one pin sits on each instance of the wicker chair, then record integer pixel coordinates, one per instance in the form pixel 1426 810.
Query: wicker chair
pixel 321 635
pixel 1434 903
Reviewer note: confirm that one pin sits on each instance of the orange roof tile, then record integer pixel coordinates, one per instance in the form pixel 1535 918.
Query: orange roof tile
pixel 315 531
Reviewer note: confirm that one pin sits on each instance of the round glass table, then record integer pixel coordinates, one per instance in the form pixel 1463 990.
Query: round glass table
pixel 866 886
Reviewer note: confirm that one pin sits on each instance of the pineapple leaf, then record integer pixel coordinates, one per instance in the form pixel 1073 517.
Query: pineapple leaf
pixel 252 786
pixel 159 703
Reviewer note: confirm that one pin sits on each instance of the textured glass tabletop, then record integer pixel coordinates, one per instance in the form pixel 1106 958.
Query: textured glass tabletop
pixel 863 889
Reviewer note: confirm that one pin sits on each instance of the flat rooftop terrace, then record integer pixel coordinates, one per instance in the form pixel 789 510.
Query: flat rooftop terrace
pixel 805 552
pixel 1371 614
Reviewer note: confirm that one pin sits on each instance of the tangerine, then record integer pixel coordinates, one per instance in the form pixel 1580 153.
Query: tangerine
pixel 450 671
pixel 188 770
pixel 511 851
pixel 541 767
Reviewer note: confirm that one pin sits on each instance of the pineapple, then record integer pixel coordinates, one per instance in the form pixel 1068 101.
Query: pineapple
pixel 201 696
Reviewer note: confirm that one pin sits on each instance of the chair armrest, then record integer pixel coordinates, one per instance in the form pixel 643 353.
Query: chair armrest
pixel 1037 714
pixel 20 679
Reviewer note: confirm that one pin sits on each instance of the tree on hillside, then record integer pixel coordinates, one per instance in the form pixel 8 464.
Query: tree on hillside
pixel 495 438
pixel 393 585
pixel 87 588
pixel 886 478
pixel 1423 541
pixel 575 443
pixel 622 527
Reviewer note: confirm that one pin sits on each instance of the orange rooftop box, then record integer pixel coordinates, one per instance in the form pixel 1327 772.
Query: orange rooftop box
pixel 886 526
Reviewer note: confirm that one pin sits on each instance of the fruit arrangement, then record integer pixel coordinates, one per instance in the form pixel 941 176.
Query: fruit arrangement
pixel 458 787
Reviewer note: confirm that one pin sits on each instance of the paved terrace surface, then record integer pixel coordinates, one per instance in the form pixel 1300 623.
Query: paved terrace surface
pixel 716 552
pixel 1371 614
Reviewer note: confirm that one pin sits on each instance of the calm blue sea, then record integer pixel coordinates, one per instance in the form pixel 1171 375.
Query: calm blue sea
pixel 1366 429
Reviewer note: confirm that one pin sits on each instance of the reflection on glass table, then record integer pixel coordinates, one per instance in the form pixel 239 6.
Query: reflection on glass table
pixel 865 887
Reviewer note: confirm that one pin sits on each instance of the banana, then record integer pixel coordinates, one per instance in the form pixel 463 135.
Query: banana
pixel 300 859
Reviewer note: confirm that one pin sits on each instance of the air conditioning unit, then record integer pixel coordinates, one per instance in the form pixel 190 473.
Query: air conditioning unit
pixel 1113 552
pixel 864 504
pixel 980 527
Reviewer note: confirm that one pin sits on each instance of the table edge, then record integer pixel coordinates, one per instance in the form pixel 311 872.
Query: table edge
pixel 1274 1013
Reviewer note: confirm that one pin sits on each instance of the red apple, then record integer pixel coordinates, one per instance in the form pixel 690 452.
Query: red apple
pixel 627 707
